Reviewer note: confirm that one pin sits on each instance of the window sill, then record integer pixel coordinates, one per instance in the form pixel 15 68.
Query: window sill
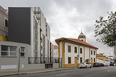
pixel 8 56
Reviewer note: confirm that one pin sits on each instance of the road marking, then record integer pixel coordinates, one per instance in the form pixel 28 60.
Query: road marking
pixel 62 74
pixel 109 70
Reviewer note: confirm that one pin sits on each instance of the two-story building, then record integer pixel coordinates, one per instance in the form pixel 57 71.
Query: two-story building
pixel 75 51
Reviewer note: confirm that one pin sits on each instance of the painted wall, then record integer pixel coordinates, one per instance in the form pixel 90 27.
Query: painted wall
pixel 86 53
pixel 55 65
pixel 19 24
pixel 72 54
pixel 3 29
pixel 55 53
pixel 2 38
pixel 11 63
pixel 93 56
pixel 60 49
pixel 103 57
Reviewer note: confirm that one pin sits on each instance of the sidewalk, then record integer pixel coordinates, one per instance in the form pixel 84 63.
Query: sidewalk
pixel 34 71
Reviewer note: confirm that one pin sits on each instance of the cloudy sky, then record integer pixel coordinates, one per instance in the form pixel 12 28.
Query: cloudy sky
pixel 67 18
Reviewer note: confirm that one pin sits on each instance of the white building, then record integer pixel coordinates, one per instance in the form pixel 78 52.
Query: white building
pixel 28 25
pixel 55 51
pixel 75 51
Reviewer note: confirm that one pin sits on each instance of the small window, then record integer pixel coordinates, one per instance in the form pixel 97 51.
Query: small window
pixel 22 53
pixel 94 52
pixel 80 50
pixel 69 48
pixel 75 49
pixel 80 59
pixel 69 59
pixel 94 59
pixel 91 52
pixel 6 23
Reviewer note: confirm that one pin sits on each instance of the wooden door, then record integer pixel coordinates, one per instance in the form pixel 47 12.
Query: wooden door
pixel 76 61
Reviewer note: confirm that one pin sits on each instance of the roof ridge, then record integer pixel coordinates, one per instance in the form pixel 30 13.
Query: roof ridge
pixel 77 41
pixel 84 42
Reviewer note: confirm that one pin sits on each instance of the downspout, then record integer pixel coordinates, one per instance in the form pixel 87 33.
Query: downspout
pixel 78 54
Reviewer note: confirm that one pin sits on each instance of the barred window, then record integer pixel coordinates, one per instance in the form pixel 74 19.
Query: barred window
pixel 91 52
pixel 69 48
pixel 94 52
pixel 80 50
pixel 75 49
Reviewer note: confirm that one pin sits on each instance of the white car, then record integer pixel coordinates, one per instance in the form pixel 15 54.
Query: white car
pixel 84 64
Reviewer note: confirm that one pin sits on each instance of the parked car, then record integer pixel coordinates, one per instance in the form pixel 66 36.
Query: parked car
pixel 106 64
pixel 96 65
pixel 85 65
pixel 101 64
pixel 111 63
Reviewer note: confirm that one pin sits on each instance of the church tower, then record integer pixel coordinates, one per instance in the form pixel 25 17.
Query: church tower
pixel 82 37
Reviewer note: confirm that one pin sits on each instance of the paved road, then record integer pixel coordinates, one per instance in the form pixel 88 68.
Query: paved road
pixel 109 71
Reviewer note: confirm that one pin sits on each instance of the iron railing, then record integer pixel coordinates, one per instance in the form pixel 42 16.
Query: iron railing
pixel 42 60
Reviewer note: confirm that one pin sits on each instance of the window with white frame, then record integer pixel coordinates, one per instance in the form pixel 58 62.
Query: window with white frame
pixel 8 50
pixel 22 51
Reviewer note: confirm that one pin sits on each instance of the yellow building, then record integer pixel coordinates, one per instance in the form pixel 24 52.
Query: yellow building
pixel 102 57
pixel 75 51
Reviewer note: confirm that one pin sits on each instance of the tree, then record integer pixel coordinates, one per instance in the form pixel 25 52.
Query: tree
pixel 105 29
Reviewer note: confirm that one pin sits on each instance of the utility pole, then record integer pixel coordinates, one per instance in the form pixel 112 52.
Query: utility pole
pixel 19 62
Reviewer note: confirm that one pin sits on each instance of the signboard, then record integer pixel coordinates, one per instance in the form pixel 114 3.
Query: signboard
pixel 8 66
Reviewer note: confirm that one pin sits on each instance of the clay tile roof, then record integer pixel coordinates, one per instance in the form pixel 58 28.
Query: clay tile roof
pixel 55 47
pixel 76 41
pixel 98 55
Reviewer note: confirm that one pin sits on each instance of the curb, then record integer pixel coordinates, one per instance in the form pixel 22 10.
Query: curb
pixel 34 72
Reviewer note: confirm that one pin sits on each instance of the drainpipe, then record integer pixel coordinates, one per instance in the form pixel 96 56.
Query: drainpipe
pixel 78 53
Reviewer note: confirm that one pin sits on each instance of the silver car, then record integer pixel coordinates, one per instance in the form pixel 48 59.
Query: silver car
pixel 85 65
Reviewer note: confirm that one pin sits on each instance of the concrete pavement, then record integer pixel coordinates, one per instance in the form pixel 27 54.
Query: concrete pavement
pixel 2 74
pixel 109 71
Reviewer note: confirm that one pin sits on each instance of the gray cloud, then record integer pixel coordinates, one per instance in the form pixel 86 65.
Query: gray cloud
pixel 67 17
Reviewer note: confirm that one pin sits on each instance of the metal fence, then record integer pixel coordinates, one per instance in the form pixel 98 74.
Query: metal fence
pixel 42 60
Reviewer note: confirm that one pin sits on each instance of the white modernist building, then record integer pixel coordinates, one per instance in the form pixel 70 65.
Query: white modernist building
pixel 28 25
pixel 55 51
pixel 75 51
